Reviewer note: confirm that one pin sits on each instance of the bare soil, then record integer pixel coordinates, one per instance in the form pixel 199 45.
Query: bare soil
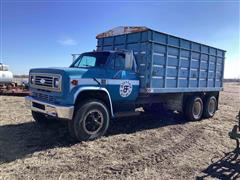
pixel 141 147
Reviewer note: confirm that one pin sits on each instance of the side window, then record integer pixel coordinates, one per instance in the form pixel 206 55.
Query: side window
pixel 120 61
pixel 110 63
pixel 129 61
pixel 123 62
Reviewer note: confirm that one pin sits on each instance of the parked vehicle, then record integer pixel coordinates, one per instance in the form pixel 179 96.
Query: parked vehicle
pixel 132 67
pixel 10 85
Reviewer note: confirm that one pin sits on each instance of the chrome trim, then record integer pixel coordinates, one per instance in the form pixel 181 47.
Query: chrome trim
pixel 64 112
pixel 44 87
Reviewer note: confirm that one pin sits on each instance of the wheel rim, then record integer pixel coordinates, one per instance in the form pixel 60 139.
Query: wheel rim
pixel 197 108
pixel 211 107
pixel 93 121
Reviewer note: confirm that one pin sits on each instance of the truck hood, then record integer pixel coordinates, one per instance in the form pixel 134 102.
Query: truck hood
pixel 66 71
pixel 67 74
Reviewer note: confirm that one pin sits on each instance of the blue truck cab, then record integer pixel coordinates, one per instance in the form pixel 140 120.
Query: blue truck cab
pixel 132 67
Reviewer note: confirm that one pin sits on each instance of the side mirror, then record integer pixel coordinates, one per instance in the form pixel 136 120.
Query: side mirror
pixel 75 56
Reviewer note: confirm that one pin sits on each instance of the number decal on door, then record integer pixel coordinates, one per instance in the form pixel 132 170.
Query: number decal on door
pixel 125 88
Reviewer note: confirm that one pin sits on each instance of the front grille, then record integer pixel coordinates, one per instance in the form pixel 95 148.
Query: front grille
pixel 43 97
pixel 45 81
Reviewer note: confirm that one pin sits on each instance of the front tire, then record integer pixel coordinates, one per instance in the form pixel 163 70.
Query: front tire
pixel 210 106
pixel 91 121
pixel 194 108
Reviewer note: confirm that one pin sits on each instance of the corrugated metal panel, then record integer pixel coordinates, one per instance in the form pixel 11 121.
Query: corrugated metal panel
pixel 170 64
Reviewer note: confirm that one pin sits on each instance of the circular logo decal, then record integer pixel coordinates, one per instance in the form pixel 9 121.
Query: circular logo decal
pixel 125 88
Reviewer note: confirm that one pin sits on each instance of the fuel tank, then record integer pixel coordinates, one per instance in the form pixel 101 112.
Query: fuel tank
pixel 6 76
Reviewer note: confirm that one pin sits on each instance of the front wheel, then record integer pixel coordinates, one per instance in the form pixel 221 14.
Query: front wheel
pixel 91 121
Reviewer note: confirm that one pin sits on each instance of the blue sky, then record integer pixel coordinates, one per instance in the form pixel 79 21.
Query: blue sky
pixel 45 33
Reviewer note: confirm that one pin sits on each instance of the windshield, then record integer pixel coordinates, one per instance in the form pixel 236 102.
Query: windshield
pixel 93 59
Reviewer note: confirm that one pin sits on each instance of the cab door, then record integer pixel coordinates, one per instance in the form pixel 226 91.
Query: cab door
pixel 123 84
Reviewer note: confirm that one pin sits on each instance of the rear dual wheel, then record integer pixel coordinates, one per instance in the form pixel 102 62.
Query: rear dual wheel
pixel 210 106
pixel 195 108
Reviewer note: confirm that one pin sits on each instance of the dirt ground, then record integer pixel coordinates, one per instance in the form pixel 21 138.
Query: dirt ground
pixel 141 147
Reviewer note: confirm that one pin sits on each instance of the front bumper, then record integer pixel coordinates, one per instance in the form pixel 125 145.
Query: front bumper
pixel 63 112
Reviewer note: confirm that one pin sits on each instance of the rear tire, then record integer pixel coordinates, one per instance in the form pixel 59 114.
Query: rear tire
pixel 91 121
pixel 210 106
pixel 194 108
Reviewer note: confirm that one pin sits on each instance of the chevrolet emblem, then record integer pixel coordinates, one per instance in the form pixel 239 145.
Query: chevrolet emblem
pixel 42 81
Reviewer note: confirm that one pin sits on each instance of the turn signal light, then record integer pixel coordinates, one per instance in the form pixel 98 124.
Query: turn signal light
pixel 74 82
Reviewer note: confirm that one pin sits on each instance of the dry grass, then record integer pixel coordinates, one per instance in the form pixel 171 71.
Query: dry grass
pixel 145 147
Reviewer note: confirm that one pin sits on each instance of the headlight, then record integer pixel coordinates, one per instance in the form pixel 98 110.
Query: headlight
pixel 32 79
pixel 56 82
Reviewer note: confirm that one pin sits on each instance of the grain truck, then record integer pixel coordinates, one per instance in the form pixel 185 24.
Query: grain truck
pixel 131 67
